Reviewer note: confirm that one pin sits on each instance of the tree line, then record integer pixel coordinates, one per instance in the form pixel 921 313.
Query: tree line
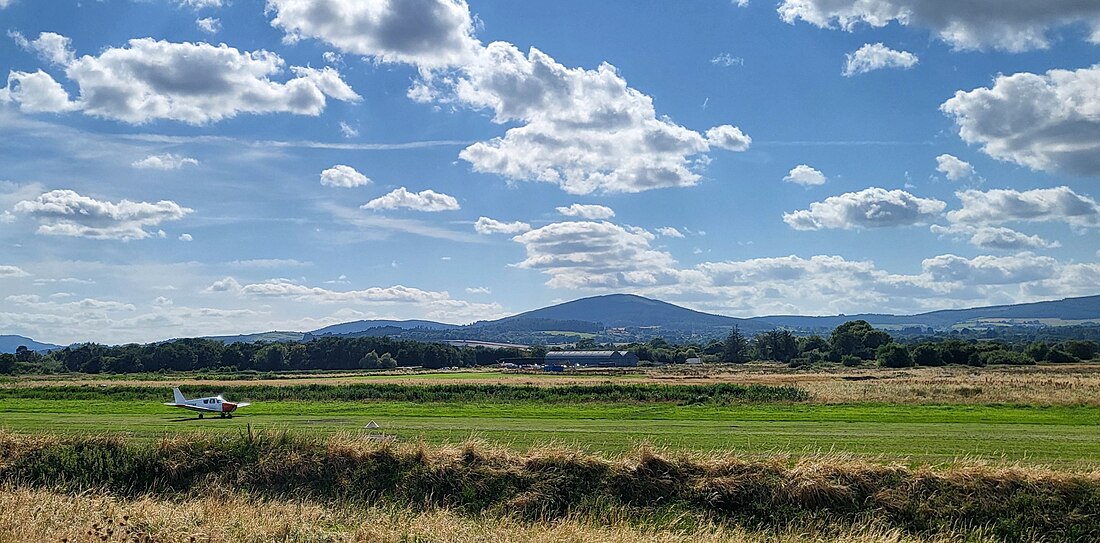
pixel 326 353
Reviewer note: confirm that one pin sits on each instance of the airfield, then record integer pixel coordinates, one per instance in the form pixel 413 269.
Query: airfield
pixel 1047 415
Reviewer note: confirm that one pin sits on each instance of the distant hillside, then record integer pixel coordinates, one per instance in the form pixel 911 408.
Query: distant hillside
pixel 348 328
pixel 274 336
pixel 631 311
pixel 8 344
pixel 1068 309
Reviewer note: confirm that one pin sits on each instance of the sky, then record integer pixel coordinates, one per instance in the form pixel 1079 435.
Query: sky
pixel 174 168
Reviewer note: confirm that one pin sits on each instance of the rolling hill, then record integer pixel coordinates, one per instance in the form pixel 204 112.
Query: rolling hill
pixel 361 326
pixel 8 344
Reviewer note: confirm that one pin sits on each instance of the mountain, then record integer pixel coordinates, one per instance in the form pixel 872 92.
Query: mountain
pixel 8 344
pixel 362 326
pixel 1065 311
pixel 632 311
pixel 271 337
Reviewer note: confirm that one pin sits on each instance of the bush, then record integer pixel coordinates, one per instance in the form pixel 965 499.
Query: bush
pixel 850 361
pixel 1002 357
pixel 1059 356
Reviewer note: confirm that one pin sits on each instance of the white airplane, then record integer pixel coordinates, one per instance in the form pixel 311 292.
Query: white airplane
pixel 210 404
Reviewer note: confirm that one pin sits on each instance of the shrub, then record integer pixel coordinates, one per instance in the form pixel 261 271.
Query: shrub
pixel 850 361
pixel 1003 357
pixel 927 355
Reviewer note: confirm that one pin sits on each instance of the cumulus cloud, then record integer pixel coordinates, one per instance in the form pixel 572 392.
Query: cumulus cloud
pixel 66 213
pixel 425 200
pixel 670 232
pixel 728 137
pixel 588 254
pixel 439 304
pixel 869 208
pixel 1010 25
pixel 990 270
pixel 805 175
pixel 343 176
pixel 1045 122
pixel 486 226
pixel 584 130
pixel 49 46
pixel 876 56
pixel 194 83
pixel 953 167
pixel 186 237
pixel 586 211
pixel 428 33
pixel 36 92
pixel 167 161
pixel 1040 205
pixel 209 25
pixel 994 237
pixel 11 271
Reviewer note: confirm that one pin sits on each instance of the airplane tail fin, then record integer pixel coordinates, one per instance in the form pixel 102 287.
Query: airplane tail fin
pixel 178 395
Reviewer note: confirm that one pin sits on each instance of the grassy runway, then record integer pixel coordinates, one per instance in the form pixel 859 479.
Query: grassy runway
pixel 1063 436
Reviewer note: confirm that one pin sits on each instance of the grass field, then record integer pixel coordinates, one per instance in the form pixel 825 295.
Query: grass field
pixel 1065 436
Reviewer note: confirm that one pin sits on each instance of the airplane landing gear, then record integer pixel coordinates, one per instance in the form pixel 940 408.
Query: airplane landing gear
pixel 222 415
pixel 200 415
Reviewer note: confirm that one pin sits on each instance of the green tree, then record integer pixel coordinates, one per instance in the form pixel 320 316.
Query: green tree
pixel 894 355
pixel 927 354
pixel 387 361
pixel 369 361
pixel 736 347
pixel 857 338
pixel 271 357
pixel 1038 351
pixel 7 363
pixel 778 345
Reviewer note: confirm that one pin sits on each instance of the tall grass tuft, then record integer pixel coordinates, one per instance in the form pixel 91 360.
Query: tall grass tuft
pixel 474 479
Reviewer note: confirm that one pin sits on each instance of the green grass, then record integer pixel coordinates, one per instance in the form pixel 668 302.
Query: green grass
pixel 1061 436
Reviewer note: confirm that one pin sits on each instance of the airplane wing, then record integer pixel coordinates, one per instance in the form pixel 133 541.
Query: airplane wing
pixel 243 404
pixel 193 407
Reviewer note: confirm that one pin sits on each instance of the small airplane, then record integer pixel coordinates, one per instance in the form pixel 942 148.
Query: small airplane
pixel 209 404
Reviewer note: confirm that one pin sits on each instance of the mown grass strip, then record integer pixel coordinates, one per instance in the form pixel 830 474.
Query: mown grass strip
pixel 714 394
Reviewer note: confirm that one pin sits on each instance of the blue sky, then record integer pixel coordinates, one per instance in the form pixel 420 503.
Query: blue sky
pixel 190 167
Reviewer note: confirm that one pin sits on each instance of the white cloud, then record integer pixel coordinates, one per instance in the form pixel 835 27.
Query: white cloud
pixel 267 263
pixel 202 4
pixel 727 60
pixel 186 237
pixel 1007 205
pixel 427 33
pixel 995 237
pixel 210 25
pixel 486 226
pixel 1045 122
pixel 36 92
pixel 953 167
pixel 197 83
pixel 990 270
pixel 347 130
pixel 49 46
pixel 478 290
pixel 876 56
pixel 595 255
pixel 805 175
pixel 728 137
pixel 1010 25
pixel 586 211
pixel 66 213
pixel 869 208
pixel 11 271
pixel 167 161
pixel 584 130
pixel 437 304
pixel 425 200
pixel 669 232
pixel 343 176
pixel 6 3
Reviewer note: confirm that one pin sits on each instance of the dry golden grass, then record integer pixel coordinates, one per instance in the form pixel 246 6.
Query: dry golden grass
pixel 226 516
pixel 1063 384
